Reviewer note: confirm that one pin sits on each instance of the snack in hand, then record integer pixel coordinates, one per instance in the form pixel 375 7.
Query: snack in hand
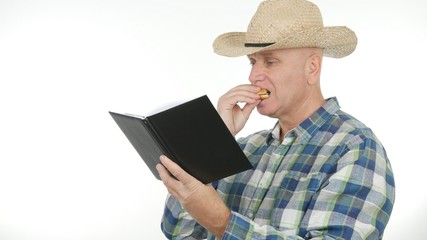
pixel 264 94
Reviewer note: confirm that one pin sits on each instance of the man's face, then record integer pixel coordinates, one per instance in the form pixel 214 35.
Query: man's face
pixel 283 73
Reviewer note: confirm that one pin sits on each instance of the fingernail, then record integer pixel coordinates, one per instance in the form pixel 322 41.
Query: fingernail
pixel 158 167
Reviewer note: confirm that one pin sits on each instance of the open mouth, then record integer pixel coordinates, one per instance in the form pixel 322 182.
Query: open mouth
pixel 264 94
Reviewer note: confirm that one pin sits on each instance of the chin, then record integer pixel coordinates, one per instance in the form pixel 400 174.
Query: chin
pixel 266 109
pixel 262 110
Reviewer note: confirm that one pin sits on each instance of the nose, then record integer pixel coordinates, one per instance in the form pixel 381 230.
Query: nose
pixel 256 74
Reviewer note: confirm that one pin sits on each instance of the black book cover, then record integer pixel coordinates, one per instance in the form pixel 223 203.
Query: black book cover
pixel 192 134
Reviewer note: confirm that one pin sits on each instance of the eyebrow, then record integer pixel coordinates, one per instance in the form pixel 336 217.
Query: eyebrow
pixel 262 54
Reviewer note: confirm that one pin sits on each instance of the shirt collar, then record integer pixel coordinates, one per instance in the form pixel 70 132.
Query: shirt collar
pixel 304 131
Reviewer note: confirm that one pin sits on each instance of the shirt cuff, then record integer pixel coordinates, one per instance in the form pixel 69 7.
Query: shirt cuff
pixel 238 227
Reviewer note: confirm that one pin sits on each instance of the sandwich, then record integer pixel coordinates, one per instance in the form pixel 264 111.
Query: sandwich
pixel 264 94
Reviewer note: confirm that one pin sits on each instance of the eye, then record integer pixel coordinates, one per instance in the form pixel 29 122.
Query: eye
pixel 251 62
pixel 270 62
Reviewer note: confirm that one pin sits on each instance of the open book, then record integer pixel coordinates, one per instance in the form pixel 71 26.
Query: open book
pixel 192 134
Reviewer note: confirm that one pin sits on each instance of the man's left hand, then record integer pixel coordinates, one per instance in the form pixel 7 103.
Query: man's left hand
pixel 201 201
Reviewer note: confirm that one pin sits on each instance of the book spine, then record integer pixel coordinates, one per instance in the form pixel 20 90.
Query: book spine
pixel 152 129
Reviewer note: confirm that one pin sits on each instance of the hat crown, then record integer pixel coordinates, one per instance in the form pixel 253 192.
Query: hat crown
pixel 275 20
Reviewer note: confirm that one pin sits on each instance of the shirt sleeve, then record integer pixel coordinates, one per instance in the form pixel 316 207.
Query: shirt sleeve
pixel 178 224
pixel 354 202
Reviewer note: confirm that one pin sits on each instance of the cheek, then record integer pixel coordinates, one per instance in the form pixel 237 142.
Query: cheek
pixel 292 81
pixel 285 86
pixel 288 94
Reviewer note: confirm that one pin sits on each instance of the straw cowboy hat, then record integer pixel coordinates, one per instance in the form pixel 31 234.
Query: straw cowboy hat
pixel 281 24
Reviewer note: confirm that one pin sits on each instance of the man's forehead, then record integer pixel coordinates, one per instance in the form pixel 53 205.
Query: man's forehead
pixel 285 51
pixel 266 53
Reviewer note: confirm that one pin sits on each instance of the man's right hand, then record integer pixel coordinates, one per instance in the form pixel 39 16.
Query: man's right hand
pixel 231 113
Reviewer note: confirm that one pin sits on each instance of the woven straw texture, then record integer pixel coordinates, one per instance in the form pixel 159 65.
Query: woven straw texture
pixel 287 24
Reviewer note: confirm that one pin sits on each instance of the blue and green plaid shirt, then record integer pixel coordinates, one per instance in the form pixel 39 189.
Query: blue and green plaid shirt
pixel 328 179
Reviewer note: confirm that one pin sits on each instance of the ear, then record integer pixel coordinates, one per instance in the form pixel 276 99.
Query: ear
pixel 313 66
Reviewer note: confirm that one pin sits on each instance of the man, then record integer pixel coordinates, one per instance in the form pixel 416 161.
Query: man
pixel 318 174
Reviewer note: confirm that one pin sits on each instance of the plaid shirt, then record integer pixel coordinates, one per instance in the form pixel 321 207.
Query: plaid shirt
pixel 328 179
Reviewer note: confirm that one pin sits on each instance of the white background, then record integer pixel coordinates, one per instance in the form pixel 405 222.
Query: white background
pixel 66 170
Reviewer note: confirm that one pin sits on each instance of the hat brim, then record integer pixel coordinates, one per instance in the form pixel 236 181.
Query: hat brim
pixel 336 42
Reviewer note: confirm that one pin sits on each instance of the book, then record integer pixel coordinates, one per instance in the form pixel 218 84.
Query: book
pixel 191 134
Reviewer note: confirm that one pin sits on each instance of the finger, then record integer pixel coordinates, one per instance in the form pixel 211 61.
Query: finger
pixel 175 170
pixel 246 87
pixel 163 172
pixel 243 91
pixel 170 183
pixel 248 108
pixel 229 100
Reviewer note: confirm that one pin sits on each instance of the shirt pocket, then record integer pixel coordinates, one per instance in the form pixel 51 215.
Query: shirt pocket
pixel 293 198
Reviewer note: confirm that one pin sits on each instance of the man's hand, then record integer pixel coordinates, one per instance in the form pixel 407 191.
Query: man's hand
pixel 231 113
pixel 201 201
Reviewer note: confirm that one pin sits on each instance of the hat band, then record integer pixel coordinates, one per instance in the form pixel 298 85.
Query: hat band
pixel 258 44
